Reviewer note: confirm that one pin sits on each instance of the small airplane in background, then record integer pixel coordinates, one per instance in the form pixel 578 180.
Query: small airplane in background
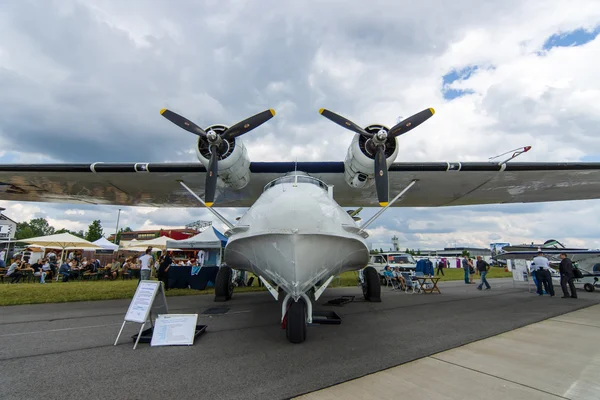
pixel 296 236
pixel 586 260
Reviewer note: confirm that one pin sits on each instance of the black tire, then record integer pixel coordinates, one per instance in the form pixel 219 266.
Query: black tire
pixel 589 287
pixel 371 285
pixel 223 284
pixel 296 327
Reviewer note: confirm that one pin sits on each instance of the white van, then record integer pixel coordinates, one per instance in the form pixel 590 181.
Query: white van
pixel 404 261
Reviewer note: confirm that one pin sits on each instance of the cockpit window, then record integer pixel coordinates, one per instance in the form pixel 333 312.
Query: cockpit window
pixel 300 178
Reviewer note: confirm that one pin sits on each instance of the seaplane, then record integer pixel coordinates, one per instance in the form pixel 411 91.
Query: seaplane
pixel 297 233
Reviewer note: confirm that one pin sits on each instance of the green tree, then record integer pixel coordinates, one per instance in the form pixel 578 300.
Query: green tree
pixel 419 252
pixel 380 250
pixel 76 233
pixel 466 253
pixel 35 227
pixel 127 229
pixel 94 231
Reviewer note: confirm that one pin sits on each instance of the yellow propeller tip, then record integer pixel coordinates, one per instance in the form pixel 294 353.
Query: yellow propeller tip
pixel 163 111
pixel 321 110
pixel 383 203
pixel 209 204
pixel 432 111
pixel 272 111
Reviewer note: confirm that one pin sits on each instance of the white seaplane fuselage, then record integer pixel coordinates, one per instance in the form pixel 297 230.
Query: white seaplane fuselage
pixel 296 236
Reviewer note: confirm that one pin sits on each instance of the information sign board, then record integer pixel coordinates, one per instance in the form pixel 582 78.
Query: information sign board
pixel 174 329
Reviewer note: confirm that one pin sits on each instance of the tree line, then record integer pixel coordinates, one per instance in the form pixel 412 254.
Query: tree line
pixel 40 227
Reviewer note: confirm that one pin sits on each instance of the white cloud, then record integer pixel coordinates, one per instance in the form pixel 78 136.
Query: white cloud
pixel 84 83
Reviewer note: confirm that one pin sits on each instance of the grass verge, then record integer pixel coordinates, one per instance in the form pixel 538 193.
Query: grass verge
pixel 59 292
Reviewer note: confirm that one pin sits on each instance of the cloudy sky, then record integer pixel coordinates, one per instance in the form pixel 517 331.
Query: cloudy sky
pixel 83 81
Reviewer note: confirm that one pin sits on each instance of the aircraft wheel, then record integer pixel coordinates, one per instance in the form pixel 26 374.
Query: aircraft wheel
pixel 296 327
pixel 589 287
pixel 223 284
pixel 371 285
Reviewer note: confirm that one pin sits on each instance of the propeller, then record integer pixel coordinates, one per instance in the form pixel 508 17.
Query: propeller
pixel 217 142
pixel 378 140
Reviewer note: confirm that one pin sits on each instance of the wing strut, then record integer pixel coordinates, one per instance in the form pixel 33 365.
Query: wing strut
pixel 215 213
pixel 374 217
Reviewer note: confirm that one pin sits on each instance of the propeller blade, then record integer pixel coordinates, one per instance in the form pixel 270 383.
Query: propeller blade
pixel 343 122
pixel 182 122
pixel 248 124
pixel 381 176
pixel 411 122
pixel 211 177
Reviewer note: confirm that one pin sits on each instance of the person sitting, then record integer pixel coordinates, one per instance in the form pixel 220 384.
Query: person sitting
pixel 65 271
pixel 37 270
pixel 13 270
pixel 399 278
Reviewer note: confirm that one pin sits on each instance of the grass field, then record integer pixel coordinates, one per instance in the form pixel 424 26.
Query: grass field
pixel 59 292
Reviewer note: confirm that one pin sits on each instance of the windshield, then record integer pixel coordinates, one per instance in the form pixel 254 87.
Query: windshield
pixel 403 259
pixel 299 178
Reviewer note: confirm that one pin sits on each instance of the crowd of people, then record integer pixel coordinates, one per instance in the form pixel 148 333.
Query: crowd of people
pixel 75 266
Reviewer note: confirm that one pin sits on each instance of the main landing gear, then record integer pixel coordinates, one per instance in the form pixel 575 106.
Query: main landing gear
pixel 371 285
pixel 224 284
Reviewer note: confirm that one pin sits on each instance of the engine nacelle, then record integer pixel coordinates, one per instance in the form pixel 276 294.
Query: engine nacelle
pixel 234 164
pixel 359 165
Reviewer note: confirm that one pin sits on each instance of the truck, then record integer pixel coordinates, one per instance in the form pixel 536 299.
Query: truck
pixel 404 261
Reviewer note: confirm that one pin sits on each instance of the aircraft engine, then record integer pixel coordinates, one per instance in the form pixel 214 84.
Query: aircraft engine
pixel 359 165
pixel 373 150
pixel 233 161
pixel 220 150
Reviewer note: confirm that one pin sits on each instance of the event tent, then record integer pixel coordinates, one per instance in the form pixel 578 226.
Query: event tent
pixel 63 241
pixel 207 239
pixel 159 242
pixel 105 244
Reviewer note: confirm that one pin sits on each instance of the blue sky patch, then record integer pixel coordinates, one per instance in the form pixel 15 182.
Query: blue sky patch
pixel 577 37
pixel 453 76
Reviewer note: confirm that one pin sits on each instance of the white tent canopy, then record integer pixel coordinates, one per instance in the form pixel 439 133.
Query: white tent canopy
pixel 204 240
pixel 63 241
pixel 105 244
pixel 159 242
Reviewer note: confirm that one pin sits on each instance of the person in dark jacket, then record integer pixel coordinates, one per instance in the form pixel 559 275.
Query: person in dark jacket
pixel 567 276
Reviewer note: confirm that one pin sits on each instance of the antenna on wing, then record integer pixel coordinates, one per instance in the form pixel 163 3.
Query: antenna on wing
pixel 515 153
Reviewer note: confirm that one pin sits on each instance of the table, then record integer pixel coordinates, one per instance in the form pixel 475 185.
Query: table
pixel 180 277
pixel 423 279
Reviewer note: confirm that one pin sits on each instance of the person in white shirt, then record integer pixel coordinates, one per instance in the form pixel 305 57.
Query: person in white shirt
pixel 201 256
pixel 146 263
pixel 541 268
pixel 3 258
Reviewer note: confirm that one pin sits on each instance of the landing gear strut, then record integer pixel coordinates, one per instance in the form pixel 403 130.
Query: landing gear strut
pixel 296 315
pixel 371 285
pixel 224 284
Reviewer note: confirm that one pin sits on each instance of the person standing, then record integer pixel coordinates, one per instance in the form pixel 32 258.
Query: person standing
pixel 465 266
pixel 543 275
pixel 201 257
pixel 483 267
pixel 163 269
pixel 440 267
pixel 146 265
pixel 3 258
pixel 567 276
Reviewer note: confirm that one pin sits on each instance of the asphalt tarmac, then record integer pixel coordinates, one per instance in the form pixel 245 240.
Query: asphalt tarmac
pixel 66 350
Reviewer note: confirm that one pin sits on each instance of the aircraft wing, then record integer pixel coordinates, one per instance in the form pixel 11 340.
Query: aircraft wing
pixel 438 183
pixel 574 255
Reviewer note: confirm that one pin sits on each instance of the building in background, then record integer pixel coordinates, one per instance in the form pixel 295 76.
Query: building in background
pixel 140 236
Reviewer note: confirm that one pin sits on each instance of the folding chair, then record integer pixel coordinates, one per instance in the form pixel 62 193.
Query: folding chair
pixel 410 284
